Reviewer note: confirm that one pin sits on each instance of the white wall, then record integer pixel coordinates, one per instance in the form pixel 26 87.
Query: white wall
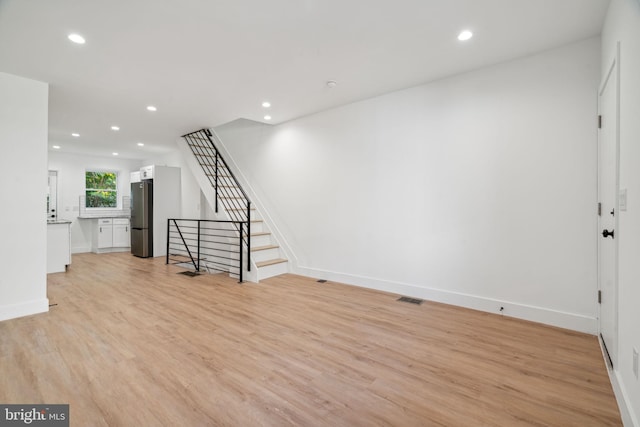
pixel 23 190
pixel 191 204
pixel 623 25
pixel 71 185
pixel 477 190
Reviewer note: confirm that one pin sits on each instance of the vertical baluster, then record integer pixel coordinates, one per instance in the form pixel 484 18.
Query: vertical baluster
pixel 198 267
pixel 216 186
pixel 248 235
pixel 240 247
pixel 168 231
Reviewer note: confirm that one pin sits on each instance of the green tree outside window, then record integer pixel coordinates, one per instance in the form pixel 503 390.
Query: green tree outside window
pixel 101 189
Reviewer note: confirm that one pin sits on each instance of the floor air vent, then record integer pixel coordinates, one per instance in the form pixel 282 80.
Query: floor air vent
pixel 189 273
pixel 322 281
pixel 410 300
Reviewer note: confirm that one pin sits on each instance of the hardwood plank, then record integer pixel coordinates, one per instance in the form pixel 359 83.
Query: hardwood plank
pixel 130 342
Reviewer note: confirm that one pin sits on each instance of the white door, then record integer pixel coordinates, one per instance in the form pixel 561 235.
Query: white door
pixel 52 196
pixel 608 210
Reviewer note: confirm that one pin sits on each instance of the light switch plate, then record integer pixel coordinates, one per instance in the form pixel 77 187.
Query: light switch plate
pixel 622 199
pixel 635 362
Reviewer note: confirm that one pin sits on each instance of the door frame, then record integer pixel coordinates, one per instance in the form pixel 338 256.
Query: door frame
pixel 614 67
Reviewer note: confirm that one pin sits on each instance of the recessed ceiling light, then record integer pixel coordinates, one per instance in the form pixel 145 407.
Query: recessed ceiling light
pixel 267 117
pixel 331 84
pixel 465 35
pixel 152 108
pixel 115 128
pixel 76 38
pixel 57 147
pixel 115 154
pixel 75 135
pixel 266 104
pixel 140 144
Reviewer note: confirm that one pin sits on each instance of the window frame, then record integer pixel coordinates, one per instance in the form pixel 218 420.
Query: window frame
pixel 116 190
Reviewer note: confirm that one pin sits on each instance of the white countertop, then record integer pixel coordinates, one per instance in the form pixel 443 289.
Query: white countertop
pixel 58 221
pixel 99 216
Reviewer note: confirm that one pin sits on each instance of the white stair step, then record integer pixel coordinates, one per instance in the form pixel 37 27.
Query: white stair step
pixel 265 253
pixel 257 226
pixel 272 268
pixel 264 248
pixel 271 262
pixel 261 238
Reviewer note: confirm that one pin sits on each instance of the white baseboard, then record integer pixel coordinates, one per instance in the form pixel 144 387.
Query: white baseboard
pixel 111 250
pixel 80 249
pixel 575 322
pixel 24 309
pixel 629 418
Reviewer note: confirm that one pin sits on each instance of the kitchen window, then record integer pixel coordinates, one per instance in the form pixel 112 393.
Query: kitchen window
pixel 101 189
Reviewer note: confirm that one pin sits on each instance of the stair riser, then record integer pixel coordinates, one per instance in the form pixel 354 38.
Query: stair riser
pixel 273 270
pixel 260 240
pixel 265 255
pixel 257 227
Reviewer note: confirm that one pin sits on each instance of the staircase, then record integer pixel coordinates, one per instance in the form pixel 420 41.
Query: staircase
pixel 230 202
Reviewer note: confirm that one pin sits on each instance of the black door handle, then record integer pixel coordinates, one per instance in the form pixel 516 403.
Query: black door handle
pixel 607 233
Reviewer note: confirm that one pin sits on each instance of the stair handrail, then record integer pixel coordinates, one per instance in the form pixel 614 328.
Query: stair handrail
pixel 208 134
pixel 198 135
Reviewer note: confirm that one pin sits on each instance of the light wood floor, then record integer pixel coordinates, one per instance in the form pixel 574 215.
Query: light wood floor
pixel 132 343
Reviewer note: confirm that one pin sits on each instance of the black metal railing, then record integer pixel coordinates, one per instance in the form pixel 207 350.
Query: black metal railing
pixel 228 191
pixel 206 245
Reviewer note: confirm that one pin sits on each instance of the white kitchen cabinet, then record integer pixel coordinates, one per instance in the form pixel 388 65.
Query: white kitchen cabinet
pixel 58 246
pixel 121 233
pixel 111 235
pixel 105 233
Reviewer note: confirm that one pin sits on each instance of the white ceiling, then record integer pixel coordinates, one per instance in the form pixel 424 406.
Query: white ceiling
pixel 203 63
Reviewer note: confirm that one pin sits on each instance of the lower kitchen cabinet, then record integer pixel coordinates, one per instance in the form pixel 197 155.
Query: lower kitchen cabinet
pixel 104 233
pixel 121 233
pixel 58 246
pixel 111 235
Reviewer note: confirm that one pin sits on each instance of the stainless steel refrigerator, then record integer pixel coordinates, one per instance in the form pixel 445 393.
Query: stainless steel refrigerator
pixel 142 218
